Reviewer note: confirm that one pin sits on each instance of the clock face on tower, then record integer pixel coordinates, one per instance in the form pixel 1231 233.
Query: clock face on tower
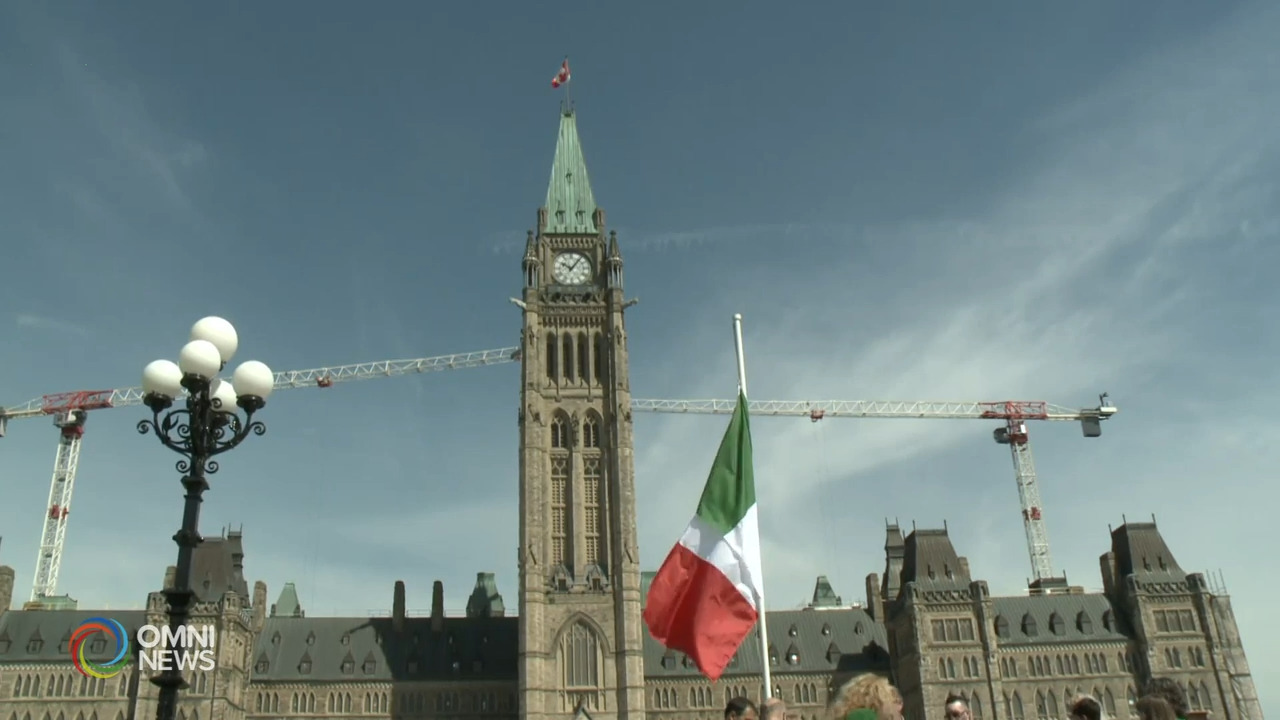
pixel 571 268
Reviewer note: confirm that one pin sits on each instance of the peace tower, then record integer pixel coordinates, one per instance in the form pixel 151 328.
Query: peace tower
pixel 581 639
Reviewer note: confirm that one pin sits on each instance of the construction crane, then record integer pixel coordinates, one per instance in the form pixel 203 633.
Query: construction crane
pixel 70 410
pixel 1014 413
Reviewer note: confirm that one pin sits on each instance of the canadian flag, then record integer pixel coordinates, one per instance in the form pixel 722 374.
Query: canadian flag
pixel 561 77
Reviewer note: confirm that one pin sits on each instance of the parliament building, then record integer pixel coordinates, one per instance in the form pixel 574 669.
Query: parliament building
pixel 576 646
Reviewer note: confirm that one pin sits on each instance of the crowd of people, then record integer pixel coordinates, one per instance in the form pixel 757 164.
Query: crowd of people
pixel 872 697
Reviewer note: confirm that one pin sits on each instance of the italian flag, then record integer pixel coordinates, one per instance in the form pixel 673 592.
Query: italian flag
pixel 706 597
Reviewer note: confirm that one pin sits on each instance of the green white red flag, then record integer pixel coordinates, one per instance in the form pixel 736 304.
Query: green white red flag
pixel 705 599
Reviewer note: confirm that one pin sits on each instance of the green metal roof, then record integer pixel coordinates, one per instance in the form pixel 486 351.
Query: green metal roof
pixel 570 204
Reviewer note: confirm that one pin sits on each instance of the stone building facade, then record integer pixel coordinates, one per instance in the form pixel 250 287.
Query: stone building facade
pixel 577 645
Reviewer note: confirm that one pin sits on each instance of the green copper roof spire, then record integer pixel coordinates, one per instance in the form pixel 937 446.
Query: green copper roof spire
pixel 570 204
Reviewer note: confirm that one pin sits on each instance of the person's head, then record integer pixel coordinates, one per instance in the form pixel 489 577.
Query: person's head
pixel 773 709
pixel 1171 692
pixel 1085 707
pixel 1154 707
pixel 867 692
pixel 956 708
pixel 740 708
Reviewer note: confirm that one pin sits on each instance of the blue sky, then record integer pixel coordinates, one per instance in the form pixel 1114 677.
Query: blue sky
pixel 1020 201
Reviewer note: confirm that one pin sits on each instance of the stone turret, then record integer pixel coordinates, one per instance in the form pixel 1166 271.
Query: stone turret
pixel 485 600
pixel 259 605
pixel 824 596
pixel 6 587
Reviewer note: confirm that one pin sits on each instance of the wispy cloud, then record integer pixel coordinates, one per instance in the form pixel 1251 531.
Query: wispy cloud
pixel 1083 278
pixel 163 159
pixel 647 241
pixel 48 324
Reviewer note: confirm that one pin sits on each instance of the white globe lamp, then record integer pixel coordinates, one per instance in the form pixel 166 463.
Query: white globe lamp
pixel 162 378
pixel 223 395
pixel 254 379
pixel 219 332
pixel 200 358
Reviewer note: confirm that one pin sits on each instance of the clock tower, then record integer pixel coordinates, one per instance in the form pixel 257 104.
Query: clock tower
pixel 580 627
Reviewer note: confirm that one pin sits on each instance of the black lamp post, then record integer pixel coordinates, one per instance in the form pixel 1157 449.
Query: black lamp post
pixel 205 426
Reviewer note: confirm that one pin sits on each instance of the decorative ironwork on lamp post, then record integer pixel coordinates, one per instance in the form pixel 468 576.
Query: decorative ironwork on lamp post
pixel 205 424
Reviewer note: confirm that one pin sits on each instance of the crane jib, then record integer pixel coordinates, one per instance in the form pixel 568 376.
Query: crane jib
pixel 69 410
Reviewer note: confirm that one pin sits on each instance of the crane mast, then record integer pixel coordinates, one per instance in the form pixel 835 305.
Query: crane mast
pixel 70 424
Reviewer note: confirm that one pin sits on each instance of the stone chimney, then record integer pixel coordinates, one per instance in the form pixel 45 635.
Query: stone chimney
pixel 437 607
pixel 964 567
pixel 875 600
pixel 397 607
pixel 170 576
pixel 1108 564
pixel 6 587
pixel 259 605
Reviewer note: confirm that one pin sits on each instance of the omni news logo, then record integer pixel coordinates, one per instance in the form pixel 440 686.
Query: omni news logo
pixel 158 648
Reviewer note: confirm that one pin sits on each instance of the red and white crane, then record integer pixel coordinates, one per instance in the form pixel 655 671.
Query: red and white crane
pixel 1014 413
pixel 70 410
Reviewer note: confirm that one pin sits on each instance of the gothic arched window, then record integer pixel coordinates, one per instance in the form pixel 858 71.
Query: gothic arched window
pixel 580 657
pixel 584 358
pixel 553 358
pixel 591 432
pixel 560 432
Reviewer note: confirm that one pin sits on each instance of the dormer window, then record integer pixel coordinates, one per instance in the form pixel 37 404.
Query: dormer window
pixel 1029 625
pixel 1108 621
pixel 1057 625
pixel 1084 624
pixel 826 629
pixel 1002 627
pixel 346 639
pixel 833 654
pixel 311 638
pixel 669 661
pixel 370 666
pixel 98 645
pixel 275 639
pixel 304 667
pixel 793 658
pixel 348 666
pixel 792 632
pixel 262 666
pixel 35 646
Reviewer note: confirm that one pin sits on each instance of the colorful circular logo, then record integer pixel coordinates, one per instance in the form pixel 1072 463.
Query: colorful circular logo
pixel 111 630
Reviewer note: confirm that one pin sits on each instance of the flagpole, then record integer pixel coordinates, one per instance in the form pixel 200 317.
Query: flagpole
pixel 568 93
pixel 761 624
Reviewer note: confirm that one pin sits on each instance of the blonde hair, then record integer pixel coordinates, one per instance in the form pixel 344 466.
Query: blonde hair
pixel 865 692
